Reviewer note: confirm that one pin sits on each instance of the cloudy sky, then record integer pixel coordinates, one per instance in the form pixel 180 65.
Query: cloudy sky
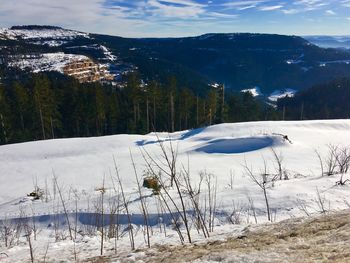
pixel 140 18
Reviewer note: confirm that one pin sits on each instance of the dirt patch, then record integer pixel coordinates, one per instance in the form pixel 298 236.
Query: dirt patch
pixel 321 239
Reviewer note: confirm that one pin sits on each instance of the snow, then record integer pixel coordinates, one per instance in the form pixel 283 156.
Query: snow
pixel 325 63
pixel 278 94
pixel 295 61
pixel 45 62
pixel 51 37
pixel 254 91
pixel 237 145
pixel 223 151
pixel 214 85
pixel 108 54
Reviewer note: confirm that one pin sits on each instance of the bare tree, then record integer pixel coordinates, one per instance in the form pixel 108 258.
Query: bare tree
pixel 194 195
pixel 337 162
pixel 321 161
pixel 167 165
pixel 102 191
pixel 212 191
pixel 232 178
pixel 252 208
pixel 115 210
pixel 63 205
pixel 236 214
pixel 126 206
pixel 278 157
pixel 341 180
pixel 28 233
pixel 301 205
pixel 331 159
pixel 321 202
pixel 261 180
pixel 342 157
pixel 143 205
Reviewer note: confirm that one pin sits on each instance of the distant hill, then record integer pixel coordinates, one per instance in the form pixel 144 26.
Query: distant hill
pixel 342 42
pixel 240 61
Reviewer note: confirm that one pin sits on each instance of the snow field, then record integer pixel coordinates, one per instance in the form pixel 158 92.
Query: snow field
pixel 224 151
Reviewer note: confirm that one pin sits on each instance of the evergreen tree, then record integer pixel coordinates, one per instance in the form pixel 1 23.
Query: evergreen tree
pixel 48 117
pixel 5 123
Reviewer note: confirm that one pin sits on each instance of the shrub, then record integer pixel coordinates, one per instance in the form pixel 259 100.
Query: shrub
pixel 152 183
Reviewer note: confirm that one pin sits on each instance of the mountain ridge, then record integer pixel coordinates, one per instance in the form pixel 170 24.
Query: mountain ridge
pixel 238 60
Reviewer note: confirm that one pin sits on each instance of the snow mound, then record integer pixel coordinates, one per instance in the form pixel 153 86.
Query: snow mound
pixel 237 145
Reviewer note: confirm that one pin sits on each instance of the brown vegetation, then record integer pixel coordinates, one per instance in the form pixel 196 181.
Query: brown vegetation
pixel 321 239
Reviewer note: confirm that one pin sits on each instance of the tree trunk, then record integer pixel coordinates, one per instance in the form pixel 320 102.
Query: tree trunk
pixel 172 113
pixel 42 122
pixel 267 204
pixel 147 114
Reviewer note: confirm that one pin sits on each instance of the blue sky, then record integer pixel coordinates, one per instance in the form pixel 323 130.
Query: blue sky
pixel 160 18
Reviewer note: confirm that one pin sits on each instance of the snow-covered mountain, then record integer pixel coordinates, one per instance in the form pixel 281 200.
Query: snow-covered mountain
pixel 239 61
pixel 41 35
pixel 47 48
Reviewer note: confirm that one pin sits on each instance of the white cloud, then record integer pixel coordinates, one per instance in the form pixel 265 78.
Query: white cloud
pixel 157 17
pixel 330 12
pixel 222 15
pixel 241 5
pixel 183 2
pixel 270 8
pixel 158 8
pixel 291 11
pixel 312 4
pixel 346 3
pixel 84 15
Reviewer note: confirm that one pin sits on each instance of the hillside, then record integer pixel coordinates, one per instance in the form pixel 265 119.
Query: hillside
pixel 324 101
pixel 240 61
pixel 217 159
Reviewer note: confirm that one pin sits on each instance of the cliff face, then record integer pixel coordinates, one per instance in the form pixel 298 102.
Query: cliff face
pixel 87 71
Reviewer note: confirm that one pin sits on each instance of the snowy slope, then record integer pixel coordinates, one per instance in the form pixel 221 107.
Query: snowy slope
pixel 45 62
pixel 80 165
pixel 53 37
pixel 82 162
pixel 42 35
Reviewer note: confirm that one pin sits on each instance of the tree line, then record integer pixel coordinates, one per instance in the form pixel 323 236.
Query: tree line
pixel 48 105
pixel 324 101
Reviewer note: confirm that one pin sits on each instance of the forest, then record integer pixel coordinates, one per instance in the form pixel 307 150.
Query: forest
pixel 329 100
pixel 49 105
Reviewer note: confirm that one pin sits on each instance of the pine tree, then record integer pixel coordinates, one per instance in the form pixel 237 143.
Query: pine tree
pixel 48 117
pixel 100 110
pixel 5 123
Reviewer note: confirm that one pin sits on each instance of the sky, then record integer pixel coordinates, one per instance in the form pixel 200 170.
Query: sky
pixel 173 18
